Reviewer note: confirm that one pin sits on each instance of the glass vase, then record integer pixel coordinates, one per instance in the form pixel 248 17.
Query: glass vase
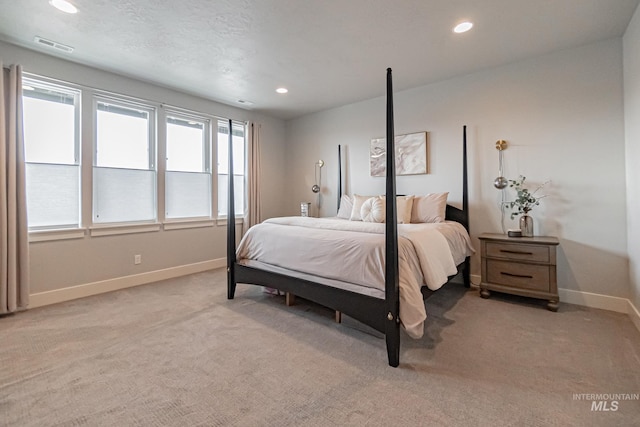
pixel 526 226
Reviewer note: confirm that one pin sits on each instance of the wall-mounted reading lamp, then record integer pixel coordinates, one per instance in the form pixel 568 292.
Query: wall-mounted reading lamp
pixel 501 182
pixel 318 176
pixel 318 182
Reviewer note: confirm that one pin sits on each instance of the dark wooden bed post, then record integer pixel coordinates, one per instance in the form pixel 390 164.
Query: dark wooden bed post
pixel 466 274
pixel 231 224
pixel 392 293
pixel 339 178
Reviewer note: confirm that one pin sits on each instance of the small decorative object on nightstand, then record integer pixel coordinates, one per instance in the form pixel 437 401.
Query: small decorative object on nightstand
pixel 305 207
pixel 524 203
pixel 524 266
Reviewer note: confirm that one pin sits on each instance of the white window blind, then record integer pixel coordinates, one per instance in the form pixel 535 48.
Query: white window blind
pixel 188 194
pixel 52 195
pixel 123 195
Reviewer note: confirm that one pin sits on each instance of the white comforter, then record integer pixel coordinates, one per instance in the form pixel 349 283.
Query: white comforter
pixel 353 252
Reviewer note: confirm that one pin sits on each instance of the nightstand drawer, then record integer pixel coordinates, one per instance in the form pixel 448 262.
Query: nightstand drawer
pixel 518 251
pixel 526 276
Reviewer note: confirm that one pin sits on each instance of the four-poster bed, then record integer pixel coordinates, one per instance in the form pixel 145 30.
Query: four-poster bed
pixel 382 310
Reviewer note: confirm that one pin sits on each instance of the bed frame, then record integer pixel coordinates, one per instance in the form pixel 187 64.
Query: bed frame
pixel 380 314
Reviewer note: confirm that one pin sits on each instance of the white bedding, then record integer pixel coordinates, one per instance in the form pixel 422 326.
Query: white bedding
pixel 353 252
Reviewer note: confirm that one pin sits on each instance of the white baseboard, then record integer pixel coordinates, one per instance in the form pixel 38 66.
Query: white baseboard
pixel 66 294
pixel 588 299
pixel 634 313
pixel 475 279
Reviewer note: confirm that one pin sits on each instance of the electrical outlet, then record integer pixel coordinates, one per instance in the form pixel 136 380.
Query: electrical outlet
pixel 137 259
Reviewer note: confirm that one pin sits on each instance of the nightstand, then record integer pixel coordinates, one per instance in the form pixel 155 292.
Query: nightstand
pixel 524 266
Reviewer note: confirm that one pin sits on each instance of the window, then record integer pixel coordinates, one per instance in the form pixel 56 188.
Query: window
pixel 124 172
pixel 188 173
pixel 120 143
pixel 52 153
pixel 238 140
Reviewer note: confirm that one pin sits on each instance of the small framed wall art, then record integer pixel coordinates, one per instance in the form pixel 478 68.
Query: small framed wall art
pixel 411 155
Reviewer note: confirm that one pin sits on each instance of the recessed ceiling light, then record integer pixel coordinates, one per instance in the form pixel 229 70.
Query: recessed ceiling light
pixel 244 102
pixel 64 6
pixel 463 27
pixel 282 90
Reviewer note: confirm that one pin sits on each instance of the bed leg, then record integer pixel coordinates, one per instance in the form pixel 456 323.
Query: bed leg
pixel 466 272
pixel 231 290
pixel 392 335
pixel 338 316
pixel 290 299
pixel 231 283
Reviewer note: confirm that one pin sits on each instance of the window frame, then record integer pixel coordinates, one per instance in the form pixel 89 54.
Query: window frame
pixel 207 167
pixel 127 104
pixel 221 122
pixel 76 92
pixel 85 142
pixel 124 102
pixel 206 145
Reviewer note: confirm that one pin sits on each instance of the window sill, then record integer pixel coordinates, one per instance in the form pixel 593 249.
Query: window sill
pixel 116 229
pixel 187 223
pixel 58 234
pixel 222 221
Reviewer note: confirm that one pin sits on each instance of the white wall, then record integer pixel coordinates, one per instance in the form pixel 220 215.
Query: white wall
pixel 61 264
pixel 562 115
pixel 632 133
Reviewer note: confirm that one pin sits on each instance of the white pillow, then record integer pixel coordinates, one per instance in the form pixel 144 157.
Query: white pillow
pixel 357 205
pixel 346 205
pixel 373 210
pixel 429 208
pixel 404 204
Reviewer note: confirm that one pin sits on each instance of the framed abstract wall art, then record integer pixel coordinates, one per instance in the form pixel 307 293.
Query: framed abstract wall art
pixel 411 155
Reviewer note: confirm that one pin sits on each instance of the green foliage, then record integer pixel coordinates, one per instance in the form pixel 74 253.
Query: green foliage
pixel 525 199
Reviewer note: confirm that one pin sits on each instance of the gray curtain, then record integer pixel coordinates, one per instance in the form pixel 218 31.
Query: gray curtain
pixel 252 212
pixel 14 239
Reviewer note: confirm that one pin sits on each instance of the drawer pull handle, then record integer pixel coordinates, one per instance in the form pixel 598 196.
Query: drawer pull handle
pixel 516 252
pixel 516 275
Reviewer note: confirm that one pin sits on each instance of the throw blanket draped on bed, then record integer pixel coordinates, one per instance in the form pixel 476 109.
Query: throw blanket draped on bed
pixel 353 252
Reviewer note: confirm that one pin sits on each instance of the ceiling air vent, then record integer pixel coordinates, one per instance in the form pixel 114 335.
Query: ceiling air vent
pixel 53 45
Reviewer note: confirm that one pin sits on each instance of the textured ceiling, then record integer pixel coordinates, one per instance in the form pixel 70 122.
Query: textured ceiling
pixel 327 52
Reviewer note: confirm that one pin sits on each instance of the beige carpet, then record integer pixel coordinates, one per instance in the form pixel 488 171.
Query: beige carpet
pixel 178 353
